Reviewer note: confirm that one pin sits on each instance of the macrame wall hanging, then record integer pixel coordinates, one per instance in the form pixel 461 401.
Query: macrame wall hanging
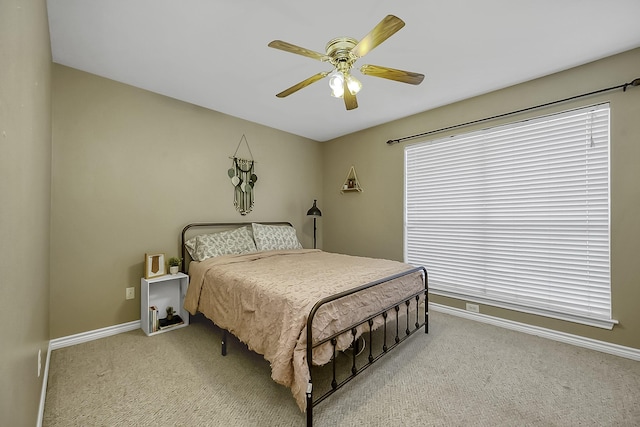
pixel 243 179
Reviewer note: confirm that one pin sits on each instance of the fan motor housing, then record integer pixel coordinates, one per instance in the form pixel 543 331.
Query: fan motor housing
pixel 339 50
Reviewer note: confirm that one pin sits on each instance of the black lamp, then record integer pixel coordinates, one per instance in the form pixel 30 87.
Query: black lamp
pixel 314 212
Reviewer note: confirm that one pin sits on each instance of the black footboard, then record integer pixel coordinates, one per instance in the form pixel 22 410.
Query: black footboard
pixel 400 307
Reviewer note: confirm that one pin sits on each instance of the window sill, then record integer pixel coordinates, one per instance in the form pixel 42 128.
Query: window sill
pixel 598 323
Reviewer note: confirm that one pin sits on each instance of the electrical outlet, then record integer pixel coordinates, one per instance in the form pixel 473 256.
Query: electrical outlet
pixel 131 293
pixel 473 307
pixel 39 362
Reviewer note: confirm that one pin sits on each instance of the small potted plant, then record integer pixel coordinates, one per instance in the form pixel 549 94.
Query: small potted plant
pixel 174 265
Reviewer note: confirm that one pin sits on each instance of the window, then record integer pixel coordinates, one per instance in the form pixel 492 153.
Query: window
pixel 516 216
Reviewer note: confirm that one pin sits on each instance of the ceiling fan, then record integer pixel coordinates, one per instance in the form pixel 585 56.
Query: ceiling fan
pixel 342 53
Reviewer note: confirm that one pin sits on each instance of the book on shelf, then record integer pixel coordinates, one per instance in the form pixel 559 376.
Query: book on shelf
pixel 166 324
pixel 153 318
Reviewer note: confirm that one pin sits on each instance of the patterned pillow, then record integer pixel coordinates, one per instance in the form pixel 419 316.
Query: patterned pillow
pixel 232 242
pixel 191 247
pixel 275 237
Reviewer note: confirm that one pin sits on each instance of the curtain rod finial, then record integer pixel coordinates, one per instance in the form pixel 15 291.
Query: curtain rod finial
pixel 634 82
pixel 392 141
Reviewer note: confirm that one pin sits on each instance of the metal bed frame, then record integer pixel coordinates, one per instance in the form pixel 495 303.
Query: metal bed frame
pixel 371 358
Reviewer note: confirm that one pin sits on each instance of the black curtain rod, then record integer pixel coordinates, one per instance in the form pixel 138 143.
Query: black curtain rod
pixel 634 82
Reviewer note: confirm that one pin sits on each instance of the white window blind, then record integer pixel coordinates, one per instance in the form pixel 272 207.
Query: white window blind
pixel 516 216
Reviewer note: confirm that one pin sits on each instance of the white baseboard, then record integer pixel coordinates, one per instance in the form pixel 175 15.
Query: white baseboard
pixel 94 335
pixel 602 346
pixel 70 340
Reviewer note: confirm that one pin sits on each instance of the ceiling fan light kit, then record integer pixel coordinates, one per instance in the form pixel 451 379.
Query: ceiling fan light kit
pixel 342 53
pixel 337 80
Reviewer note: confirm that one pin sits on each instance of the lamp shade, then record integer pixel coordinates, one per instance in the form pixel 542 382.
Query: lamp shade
pixel 314 211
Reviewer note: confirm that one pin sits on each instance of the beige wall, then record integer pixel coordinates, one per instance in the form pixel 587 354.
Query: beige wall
pixel 371 223
pixel 130 169
pixel 25 159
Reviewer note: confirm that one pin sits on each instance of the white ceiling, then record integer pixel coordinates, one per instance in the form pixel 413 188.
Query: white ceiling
pixel 214 53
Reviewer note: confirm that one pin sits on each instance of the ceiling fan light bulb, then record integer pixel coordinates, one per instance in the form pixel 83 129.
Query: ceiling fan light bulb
pixel 353 84
pixel 336 80
pixel 337 92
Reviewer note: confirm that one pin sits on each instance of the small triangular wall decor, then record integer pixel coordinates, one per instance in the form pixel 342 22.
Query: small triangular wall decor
pixel 351 182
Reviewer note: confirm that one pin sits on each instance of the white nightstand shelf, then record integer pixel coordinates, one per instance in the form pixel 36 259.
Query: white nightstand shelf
pixel 162 292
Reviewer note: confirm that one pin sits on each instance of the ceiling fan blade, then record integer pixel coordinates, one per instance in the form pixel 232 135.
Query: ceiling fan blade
pixel 302 84
pixel 288 47
pixel 392 74
pixel 350 100
pixel 385 29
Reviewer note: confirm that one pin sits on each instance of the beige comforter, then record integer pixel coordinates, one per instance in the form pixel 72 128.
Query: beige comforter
pixel 264 299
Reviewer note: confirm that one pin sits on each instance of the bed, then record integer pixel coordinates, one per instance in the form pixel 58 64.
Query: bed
pixel 256 281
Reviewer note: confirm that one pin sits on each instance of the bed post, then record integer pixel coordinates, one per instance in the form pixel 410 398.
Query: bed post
pixel 309 403
pixel 426 300
pixel 182 248
pixel 312 314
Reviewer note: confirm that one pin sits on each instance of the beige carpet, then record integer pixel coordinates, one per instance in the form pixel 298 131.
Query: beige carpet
pixel 462 373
